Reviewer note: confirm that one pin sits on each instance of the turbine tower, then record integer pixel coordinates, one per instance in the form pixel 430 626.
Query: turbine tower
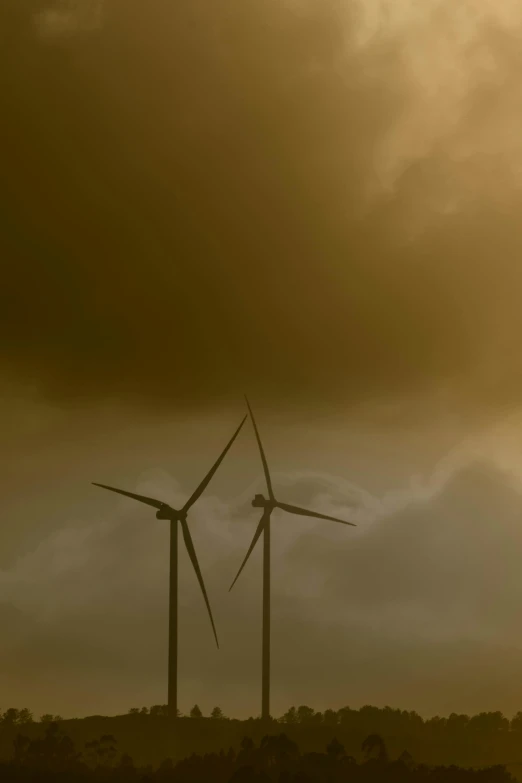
pixel 176 516
pixel 268 505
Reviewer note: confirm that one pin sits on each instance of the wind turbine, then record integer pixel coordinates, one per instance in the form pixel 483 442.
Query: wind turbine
pixel 269 505
pixel 176 516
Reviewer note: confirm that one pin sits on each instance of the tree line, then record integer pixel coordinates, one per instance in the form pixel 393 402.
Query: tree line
pixel 384 719
pixel 161 711
pixel 53 758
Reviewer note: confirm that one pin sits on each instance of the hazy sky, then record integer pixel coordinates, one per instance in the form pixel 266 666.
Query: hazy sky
pixel 315 201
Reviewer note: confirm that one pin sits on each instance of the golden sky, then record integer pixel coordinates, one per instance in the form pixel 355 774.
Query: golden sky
pixel 318 203
pixel 317 199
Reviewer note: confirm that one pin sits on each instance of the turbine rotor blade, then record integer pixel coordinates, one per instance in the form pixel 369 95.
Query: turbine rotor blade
pixel 193 557
pixel 259 530
pixel 262 452
pixel 201 488
pixel 305 513
pixel 142 499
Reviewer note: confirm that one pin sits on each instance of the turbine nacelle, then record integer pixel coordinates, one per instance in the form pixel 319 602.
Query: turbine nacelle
pixel 260 501
pixel 166 512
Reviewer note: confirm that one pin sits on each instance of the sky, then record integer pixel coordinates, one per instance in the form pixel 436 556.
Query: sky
pixel 313 202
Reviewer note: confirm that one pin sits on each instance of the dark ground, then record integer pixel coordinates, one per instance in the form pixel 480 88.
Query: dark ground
pixel 481 741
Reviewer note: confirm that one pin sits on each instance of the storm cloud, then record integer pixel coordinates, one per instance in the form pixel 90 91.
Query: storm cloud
pixel 314 200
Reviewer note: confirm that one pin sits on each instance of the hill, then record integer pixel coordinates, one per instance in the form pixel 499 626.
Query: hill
pixel 149 737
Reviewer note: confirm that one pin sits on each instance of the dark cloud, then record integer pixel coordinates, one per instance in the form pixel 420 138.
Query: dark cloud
pixel 186 212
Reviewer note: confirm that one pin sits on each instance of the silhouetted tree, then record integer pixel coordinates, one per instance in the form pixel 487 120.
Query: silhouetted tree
pixel 166 770
pixel 195 712
pixel 247 744
pixel 55 751
pixel 11 717
pixel 20 746
pixel 159 711
pixel 17 717
pixel 275 749
pixel 406 759
pixel 126 769
pixel 48 718
pixel 374 747
pixel 305 714
pixel 217 714
pixel 102 752
pixel 249 775
pixel 347 717
pixel 330 718
pixel 436 723
pixel 14 717
pixel 335 749
pixel 457 722
pixel 488 721
pixel 290 716
pixel 516 722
